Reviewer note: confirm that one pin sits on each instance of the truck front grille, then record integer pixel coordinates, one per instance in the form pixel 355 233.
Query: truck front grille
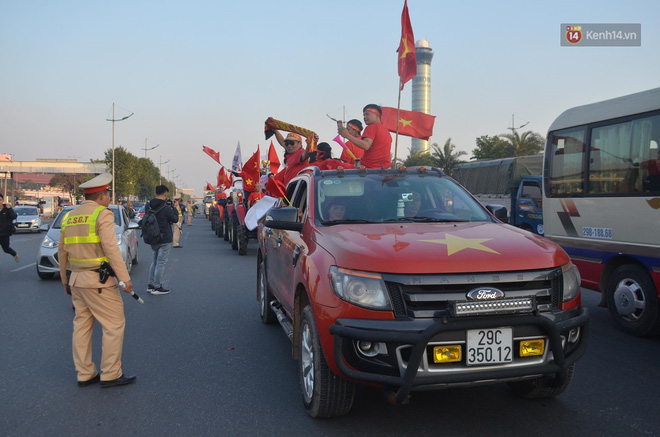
pixel 424 296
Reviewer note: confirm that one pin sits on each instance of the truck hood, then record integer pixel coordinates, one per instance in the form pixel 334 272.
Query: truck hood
pixel 432 248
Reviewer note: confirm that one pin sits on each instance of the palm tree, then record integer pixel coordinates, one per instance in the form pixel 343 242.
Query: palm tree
pixel 445 158
pixel 419 158
pixel 529 143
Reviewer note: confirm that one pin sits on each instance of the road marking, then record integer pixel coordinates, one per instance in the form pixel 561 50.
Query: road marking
pixel 23 268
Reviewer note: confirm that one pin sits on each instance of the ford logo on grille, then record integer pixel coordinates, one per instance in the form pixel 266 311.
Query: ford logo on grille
pixel 485 294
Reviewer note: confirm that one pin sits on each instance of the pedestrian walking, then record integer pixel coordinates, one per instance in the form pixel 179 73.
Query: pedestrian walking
pixel 7 217
pixel 190 212
pixel 166 215
pixel 88 241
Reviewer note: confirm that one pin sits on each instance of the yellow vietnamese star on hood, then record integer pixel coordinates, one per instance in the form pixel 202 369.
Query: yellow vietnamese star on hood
pixel 456 244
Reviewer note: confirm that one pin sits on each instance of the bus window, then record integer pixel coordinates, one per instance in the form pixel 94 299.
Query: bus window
pixel 566 176
pixel 620 158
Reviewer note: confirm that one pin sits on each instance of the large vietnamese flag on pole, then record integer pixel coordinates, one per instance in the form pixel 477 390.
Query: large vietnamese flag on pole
pixel 212 153
pixel 406 50
pixel 411 123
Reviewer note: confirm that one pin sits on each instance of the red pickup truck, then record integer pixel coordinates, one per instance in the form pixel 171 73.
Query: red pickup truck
pixel 401 279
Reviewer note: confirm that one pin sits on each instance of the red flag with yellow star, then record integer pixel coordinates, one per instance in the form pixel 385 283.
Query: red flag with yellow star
pixel 273 159
pixel 406 50
pixel 212 153
pixel 250 173
pixel 411 123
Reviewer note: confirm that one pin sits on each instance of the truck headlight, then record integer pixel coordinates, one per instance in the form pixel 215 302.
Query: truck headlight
pixel 48 242
pixel 572 281
pixel 364 289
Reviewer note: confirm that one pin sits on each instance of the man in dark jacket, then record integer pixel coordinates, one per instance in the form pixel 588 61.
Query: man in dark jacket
pixel 166 217
pixel 7 217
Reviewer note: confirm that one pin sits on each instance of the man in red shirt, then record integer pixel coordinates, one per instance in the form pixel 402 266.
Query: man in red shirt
pixel 355 128
pixel 376 140
pixel 295 157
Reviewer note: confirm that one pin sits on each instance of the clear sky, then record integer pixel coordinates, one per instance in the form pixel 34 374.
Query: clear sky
pixel 210 72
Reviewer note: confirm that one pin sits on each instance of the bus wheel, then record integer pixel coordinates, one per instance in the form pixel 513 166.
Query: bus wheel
pixel 633 301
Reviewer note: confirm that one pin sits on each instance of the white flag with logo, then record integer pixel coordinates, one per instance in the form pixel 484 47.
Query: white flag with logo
pixel 237 163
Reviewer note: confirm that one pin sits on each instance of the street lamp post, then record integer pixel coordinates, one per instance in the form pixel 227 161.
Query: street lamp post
pixel 151 148
pixel 161 168
pixel 113 145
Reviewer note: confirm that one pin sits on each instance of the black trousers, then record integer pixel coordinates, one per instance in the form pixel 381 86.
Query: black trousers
pixel 4 242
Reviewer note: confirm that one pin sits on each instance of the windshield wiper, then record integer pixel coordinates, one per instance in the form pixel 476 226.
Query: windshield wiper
pixel 425 219
pixel 345 221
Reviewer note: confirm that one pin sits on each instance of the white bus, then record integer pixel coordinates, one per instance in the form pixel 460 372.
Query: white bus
pixel 601 202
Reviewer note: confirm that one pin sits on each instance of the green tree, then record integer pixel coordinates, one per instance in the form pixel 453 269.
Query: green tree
pixel 30 185
pixel 420 158
pixel 125 171
pixel 529 143
pixel 492 148
pixel 445 157
pixel 148 177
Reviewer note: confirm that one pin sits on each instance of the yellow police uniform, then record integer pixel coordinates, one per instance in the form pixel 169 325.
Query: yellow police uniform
pixel 88 237
pixel 177 227
pixel 190 213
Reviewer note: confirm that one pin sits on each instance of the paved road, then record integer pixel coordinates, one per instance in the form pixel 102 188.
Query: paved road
pixel 207 366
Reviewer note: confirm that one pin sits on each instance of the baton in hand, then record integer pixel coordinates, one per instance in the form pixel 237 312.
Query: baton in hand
pixel 122 284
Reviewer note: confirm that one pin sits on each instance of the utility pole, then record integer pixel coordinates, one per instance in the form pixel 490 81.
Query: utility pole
pixel 161 168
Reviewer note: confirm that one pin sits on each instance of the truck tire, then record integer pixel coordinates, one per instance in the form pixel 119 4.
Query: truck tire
pixel 324 393
pixel 242 239
pixel 234 231
pixel 267 314
pixel 545 387
pixel 225 226
pixel 633 301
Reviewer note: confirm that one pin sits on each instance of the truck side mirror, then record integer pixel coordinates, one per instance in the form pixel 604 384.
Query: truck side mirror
pixel 283 218
pixel 499 212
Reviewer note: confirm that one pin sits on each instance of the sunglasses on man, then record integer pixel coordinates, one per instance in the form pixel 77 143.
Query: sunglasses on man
pixel 289 142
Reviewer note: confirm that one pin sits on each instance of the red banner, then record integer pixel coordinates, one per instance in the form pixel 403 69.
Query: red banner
pixel 272 157
pixel 411 123
pixel 406 50
pixel 275 187
pixel 250 173
pixel 212 153
pixel 310 137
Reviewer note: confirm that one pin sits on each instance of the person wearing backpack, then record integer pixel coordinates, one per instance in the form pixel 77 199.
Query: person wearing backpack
pixel 165 215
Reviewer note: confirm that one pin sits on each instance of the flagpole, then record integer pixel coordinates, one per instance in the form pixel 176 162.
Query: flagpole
pixel 396 138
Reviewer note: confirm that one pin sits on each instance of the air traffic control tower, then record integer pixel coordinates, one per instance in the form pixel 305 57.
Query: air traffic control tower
pixel 421 88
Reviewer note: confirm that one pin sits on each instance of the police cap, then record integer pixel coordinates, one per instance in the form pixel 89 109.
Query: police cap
pixel 97 184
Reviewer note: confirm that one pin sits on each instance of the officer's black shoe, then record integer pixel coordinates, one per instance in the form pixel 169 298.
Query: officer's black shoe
pixel 94 380
pixel 122 380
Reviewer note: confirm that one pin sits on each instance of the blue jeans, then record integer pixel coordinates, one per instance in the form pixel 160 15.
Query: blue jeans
pixel 157 269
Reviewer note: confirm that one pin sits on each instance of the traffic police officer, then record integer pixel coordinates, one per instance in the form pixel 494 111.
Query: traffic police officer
pixel 87 239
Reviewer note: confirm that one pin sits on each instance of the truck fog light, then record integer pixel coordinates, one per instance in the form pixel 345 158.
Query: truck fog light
pixel 530 348
pixel 367 348
pixel 447 354
pixel 574 335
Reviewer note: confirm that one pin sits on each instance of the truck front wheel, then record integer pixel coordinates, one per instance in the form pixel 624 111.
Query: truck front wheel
pixel 542 388
pixel 633 301
pixel 324 393
pixel 267 314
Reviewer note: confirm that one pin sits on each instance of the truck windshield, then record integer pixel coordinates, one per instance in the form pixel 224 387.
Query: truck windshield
pixel 380 198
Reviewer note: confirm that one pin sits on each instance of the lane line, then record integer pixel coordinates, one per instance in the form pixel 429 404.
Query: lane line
pixel 23 268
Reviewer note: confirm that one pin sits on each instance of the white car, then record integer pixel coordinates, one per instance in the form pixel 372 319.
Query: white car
pixel 28 218
pixel 47 262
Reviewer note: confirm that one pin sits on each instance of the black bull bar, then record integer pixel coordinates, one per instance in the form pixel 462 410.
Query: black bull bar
pixel 419 340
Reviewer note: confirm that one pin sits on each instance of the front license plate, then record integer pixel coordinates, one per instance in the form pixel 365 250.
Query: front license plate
pixel 489 346
pixel 22 225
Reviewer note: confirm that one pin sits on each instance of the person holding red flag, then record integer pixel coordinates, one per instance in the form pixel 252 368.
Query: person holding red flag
pixel 376 140
pixel 250 175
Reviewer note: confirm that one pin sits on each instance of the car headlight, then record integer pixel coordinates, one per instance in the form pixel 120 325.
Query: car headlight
pixel 49 242
pixel 364 289
pixel 572 281
pixel 34 221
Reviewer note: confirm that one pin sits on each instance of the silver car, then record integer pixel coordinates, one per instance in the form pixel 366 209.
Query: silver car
pixel 47 262
pixel 28 218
